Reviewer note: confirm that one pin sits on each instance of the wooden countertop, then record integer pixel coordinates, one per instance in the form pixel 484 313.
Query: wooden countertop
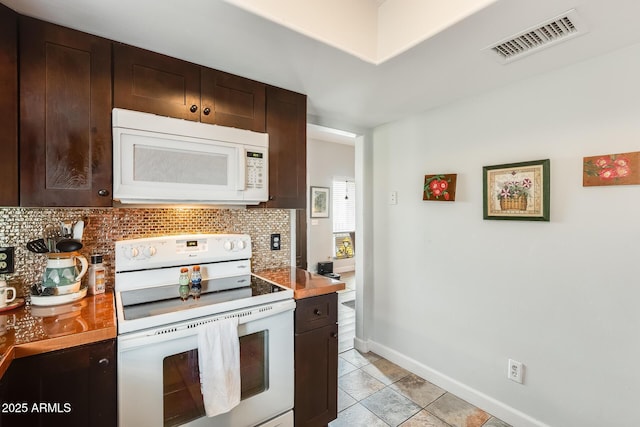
pixel 30 330
pixel 304 283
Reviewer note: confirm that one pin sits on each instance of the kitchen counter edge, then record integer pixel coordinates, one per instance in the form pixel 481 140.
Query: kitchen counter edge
pixel 304 283
pixel 102 328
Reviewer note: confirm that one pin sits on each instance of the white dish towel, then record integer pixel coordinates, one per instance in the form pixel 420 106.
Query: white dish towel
pixel 219 363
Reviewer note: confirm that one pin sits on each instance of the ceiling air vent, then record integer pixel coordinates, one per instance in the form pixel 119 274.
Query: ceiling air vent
pixel 549 33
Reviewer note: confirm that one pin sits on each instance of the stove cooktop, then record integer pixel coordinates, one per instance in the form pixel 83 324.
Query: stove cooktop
pixel 148 305
pixel 146 308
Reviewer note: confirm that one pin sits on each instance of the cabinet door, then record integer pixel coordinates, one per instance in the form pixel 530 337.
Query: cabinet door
pixel 154 83
pixel 316 383
pixel 65 116
pixel 287 129
pixel 234 101
pixel 8 107
pixel 73 387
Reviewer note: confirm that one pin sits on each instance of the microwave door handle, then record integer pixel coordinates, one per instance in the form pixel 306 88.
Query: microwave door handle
pixel 242 172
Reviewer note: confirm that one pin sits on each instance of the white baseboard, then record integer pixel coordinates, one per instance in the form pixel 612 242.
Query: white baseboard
pixel 471 395
pixel 361 345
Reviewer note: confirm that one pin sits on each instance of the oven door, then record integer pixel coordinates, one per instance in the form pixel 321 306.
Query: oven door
pixel 158 376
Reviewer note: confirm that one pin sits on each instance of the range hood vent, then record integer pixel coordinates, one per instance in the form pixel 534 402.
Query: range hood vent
pixel 541 36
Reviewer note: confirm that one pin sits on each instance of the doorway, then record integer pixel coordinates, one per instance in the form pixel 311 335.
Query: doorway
pixel 331 165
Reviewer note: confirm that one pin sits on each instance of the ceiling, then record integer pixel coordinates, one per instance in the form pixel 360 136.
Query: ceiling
pixel 346 92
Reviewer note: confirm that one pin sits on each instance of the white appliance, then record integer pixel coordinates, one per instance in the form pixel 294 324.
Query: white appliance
pixel 158 376
pixel 165 160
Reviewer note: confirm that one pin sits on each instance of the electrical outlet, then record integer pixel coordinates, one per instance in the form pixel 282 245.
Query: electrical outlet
pixel 516 371
pixel 275 242
pixel 7 260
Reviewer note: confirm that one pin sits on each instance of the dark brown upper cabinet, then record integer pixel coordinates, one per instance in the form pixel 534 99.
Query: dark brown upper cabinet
pixel 234 101
pixel 65 116
pixel 9 190
pixel 154 83
pixel 287 128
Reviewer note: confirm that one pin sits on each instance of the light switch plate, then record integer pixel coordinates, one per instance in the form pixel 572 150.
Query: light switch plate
pixel 393 198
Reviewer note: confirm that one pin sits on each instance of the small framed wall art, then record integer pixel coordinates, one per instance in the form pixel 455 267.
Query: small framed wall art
pixel 440 188
pixel 516 191
pixel 611 169
pixel 319 202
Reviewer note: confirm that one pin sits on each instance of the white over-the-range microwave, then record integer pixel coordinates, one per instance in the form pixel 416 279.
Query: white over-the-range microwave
pixel 165 160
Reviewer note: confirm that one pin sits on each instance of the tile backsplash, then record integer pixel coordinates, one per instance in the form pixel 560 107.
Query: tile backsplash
pixel 104 226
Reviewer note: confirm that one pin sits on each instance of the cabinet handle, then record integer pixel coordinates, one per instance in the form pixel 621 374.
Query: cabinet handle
pixel 271 198
pixel 193 108
pixel 334 335
pixel 206 111
pixel 103 192
pixel 317 312
pixel 103 362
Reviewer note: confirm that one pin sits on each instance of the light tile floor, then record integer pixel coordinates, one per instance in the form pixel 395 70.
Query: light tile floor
pixel 375 392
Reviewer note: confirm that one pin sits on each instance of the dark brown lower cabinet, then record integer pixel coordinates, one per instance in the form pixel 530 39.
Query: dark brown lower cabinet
pixel 71 387
pixel 316 361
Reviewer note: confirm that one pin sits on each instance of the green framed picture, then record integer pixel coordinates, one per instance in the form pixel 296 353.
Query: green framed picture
pixel 319 202
pixel 516 191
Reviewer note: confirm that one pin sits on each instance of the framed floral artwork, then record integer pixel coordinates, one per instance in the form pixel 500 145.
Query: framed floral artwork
pixel 319 203
pixel 517 191
pixel 440 188
pixel 611 169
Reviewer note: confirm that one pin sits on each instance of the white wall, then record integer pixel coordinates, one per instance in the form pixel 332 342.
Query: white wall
pixel 326 160
pixel 455 296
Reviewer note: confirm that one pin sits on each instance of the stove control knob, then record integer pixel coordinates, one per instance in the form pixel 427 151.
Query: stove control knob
pixel 228 245
pixel 150 251
pixel 241 244
pixel 134 253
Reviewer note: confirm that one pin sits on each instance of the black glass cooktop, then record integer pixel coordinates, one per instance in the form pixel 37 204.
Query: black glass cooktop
pixel 141 303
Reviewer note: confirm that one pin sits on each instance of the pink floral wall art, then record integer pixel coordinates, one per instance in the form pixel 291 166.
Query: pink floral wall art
pixel 611 169
pixel 440 188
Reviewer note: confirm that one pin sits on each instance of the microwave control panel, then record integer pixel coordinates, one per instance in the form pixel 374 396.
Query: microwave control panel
pixel 255 167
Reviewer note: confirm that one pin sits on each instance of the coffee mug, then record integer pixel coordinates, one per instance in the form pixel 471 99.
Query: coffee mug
pixel 4 290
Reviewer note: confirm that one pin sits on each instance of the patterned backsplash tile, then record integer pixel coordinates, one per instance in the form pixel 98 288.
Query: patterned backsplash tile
pixel 104 226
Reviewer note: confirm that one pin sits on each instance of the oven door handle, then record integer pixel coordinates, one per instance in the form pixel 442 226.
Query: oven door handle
pixel 189 328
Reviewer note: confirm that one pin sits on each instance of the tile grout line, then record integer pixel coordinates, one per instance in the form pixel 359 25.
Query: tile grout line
pixel 399 391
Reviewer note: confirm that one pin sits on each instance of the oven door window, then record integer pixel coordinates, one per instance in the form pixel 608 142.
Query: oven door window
pixel 181 378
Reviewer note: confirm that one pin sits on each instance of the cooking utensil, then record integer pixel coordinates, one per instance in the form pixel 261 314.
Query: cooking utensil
pixel 38 246
pixel 68 245
pixel 66 229
pixel 78 229
pixel 50 234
